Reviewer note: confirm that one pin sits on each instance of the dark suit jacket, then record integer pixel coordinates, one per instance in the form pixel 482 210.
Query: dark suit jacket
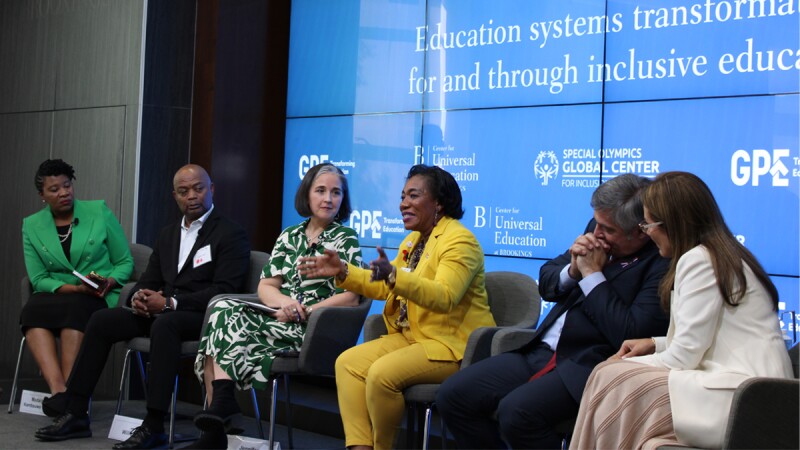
pixel 193 287
pixel 625 306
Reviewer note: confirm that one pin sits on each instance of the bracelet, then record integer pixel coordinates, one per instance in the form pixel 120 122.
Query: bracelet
pixel 392 278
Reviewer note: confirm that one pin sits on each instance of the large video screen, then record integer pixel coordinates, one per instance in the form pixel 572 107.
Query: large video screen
pixel 533 104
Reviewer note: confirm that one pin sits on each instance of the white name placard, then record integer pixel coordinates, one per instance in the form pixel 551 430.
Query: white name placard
pixel 31 402
pixel 246 443
pixel 122 427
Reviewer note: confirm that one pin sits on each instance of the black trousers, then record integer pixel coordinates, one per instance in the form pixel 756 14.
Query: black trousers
pixel 491 404
pixel 109 326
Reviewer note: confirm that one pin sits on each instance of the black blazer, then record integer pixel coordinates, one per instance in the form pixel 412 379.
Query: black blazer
pixel 625 306
pixel 193 287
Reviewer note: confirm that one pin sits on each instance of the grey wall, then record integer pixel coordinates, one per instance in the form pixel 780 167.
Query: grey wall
pixel 70 88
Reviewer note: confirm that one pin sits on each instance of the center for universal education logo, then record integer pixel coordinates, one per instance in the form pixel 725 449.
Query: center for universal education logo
pixel 546 166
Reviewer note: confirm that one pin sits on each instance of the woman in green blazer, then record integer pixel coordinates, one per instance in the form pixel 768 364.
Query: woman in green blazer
pixel 67 235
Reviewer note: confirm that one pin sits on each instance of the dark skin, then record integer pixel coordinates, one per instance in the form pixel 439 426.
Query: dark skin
pixel 193 191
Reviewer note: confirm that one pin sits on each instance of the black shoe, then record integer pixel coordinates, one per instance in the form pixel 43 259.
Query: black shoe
pixel 208 420
pixel 66 426
pixel 210 441
pixel 142 437
pixel 55 405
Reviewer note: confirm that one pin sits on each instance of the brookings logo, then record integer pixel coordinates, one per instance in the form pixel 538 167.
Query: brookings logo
pixel 546 166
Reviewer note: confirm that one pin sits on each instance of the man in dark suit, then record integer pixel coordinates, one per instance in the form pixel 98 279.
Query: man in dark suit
pixel 606 290
pixel 194 260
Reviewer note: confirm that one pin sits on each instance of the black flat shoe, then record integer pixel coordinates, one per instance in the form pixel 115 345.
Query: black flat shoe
pixel 55 405
pixel 66 426
pixel 142 437
pixel 208 420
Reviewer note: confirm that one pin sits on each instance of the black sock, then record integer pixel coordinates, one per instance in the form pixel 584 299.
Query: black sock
pixel 223 401
pixel 77 405
pixel 154 420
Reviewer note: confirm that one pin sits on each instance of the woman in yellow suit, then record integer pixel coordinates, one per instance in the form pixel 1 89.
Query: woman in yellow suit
pixel 435 297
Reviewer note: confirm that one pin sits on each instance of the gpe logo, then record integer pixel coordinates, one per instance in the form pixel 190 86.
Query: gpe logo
pixel 363 221
pixel 746 168
pixel 309 161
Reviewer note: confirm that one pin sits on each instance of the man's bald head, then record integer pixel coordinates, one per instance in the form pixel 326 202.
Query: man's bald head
pixel 193 191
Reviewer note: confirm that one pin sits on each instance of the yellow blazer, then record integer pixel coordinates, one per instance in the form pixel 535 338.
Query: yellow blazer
pixel 446 293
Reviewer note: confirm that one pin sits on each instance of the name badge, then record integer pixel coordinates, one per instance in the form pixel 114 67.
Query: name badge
pixel 202 256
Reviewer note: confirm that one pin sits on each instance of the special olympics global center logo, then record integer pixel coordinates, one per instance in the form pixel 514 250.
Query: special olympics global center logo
pixel 546 166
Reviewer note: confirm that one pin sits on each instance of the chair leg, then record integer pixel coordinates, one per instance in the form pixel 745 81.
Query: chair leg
pixel 123 381
pixel 172 414
pixel 142 373
pixel 257 413
pixel 288 409
pixel 273 402
pixel 427 430
pixel 13 397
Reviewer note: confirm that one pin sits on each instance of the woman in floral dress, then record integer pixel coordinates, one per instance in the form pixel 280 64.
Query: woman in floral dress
pixel 240 341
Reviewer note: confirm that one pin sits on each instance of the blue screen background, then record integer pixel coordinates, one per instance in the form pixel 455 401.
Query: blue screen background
pixel 702 89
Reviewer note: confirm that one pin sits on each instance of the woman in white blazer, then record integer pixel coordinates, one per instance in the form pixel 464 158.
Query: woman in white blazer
pixel 723 329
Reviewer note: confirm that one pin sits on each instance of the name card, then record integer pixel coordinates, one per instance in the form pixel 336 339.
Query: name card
pixel 246 443
pixel 31 402
pixel 122 427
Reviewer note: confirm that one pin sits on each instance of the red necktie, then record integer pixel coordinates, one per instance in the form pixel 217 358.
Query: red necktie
pixel 544 370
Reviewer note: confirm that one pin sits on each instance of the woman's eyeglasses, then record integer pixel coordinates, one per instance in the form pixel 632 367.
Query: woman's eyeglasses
pixel 644 226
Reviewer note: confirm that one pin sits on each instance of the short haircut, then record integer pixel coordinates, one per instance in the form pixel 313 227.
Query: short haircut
pixel 301 196
pixel 443 187
pixel 621 197
pixel 52 168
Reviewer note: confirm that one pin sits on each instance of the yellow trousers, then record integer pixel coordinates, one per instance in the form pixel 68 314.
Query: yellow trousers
pixel 370 379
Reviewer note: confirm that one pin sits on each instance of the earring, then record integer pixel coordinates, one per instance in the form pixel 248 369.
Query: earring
pixel 436 217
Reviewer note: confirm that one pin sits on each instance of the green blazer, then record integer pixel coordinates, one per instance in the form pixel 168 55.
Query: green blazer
pixel 98 244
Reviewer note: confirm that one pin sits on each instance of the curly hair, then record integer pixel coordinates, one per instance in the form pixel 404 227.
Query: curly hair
pixel 444 188
pixel 52 168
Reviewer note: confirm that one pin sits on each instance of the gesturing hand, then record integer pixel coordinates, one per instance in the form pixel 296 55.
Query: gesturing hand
pixel 381 267
pixel 325 265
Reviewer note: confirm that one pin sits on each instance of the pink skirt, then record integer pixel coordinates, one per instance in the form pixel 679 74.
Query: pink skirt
pixel 625 405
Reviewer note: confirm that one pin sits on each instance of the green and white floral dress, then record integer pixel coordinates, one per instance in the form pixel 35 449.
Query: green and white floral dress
pixel 241 339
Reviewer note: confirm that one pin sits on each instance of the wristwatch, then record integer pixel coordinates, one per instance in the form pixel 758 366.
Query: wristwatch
pixel 168 304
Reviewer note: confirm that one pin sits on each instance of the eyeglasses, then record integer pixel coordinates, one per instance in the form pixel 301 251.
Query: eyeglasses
pixel 644 226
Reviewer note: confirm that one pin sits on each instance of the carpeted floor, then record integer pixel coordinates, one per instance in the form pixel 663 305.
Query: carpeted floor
pixel 17 429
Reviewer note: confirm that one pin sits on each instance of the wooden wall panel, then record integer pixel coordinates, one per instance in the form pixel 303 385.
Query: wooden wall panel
pixel 92 140
pixel 27 80
pixel 25 144
pixel 93 63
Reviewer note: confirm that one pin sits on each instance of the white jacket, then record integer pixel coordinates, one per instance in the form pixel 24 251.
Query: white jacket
pixel 713 347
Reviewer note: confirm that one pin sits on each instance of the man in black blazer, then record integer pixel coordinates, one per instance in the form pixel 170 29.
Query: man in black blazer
pixel 203 255
pixel 606 290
